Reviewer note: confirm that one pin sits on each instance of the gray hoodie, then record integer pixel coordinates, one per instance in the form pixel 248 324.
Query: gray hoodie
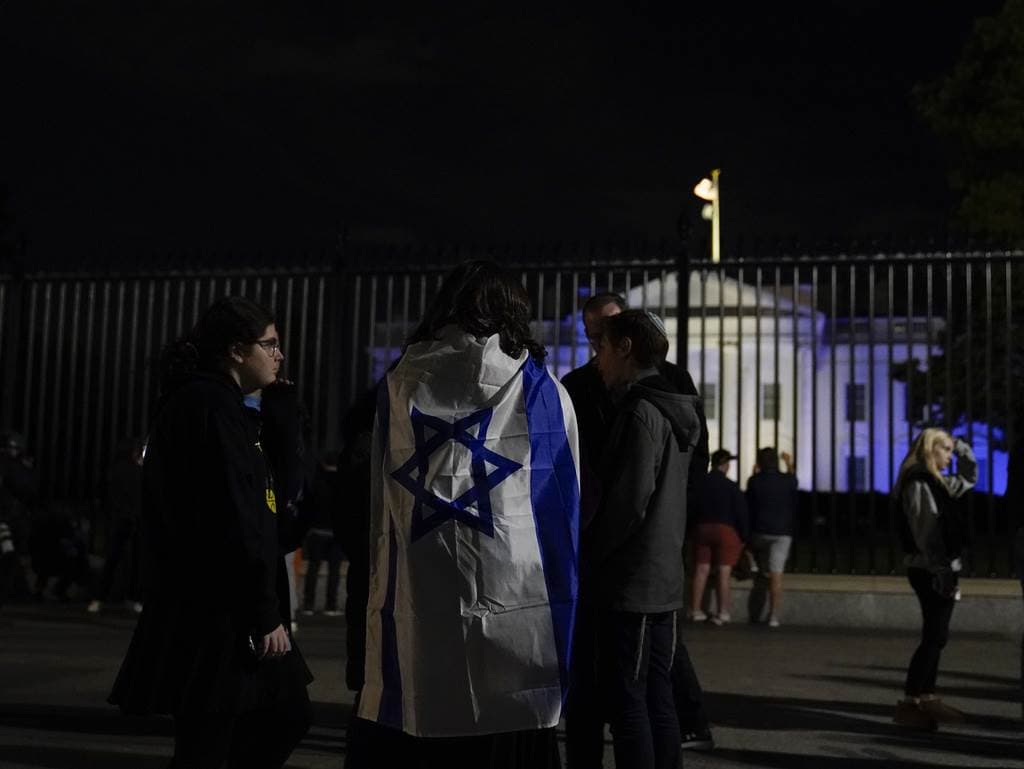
pixel 631 553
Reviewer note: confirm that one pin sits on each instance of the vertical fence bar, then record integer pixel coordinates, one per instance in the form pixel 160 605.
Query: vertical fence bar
pixel 43 392
pixel 324 430
pixel 758 394
pixel 776 374
pixel 852 489
pixel 389 308
pixel 739 373
pixel 795 365
pixel 989 492
pixel 144 382
pixel 930 341
pixel 815 516
pixel 870 458
pixel 911 368
pixel 371 331
pixel 131 385
pixel 51 413
pixel 833 513
pixel 103 366
pixel 575 320
pixel 947 411
pixel 356 283
pixel 558 324
pixel 74 390
pixel 117 372
pixel 969 396
pixel 89 359
pixel 1008 394
pixel 890 341
pixel 721 365
pixel 704 346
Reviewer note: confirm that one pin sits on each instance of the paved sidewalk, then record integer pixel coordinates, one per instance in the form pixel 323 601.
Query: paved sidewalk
pixel 792 697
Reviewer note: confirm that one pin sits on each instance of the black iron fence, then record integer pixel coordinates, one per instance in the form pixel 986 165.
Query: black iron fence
pixel 836 360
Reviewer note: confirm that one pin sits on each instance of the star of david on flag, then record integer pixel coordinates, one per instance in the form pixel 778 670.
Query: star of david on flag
pixel 487 470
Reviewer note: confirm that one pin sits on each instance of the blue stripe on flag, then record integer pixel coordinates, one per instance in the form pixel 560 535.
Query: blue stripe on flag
pixel 390 711
pixel 556 503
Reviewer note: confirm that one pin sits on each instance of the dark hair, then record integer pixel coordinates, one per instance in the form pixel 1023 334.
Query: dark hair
pixel 768 458
pixel 649 344
pixel 228 321
pixel 598 301
pixel 482 299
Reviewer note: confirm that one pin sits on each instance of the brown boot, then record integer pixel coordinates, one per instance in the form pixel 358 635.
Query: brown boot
pixel 910 715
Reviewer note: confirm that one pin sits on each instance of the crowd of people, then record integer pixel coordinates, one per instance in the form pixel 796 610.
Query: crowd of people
pixel 515 544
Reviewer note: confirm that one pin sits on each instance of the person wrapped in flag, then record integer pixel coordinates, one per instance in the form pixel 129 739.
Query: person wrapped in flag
pixel 474 528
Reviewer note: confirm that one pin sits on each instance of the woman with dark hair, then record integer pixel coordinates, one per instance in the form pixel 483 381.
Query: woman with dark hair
pixel 212 647
pixel 933 538
pixel 474 506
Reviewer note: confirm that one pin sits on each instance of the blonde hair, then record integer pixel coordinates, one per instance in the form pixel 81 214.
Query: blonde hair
pixel 922 452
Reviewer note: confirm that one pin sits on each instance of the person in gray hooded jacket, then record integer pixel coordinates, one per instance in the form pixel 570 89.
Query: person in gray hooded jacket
pixel 631 554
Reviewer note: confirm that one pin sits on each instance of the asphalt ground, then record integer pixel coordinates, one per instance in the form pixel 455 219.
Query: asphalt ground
pixel 789 697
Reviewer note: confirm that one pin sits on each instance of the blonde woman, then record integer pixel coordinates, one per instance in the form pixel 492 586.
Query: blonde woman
pixel 933 538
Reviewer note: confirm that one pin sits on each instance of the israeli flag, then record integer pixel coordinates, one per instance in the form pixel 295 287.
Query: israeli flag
pixel 473 542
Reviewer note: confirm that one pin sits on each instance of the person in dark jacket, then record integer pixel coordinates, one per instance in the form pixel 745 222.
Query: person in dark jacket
pixel 721 529
pixel 934 536
pixel 320 543
pixel 595 411
pixel 212 646
pixel 124 500
pixel 772 504
pixel 631 564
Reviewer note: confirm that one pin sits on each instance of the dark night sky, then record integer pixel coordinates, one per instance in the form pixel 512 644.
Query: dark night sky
pixel 171 126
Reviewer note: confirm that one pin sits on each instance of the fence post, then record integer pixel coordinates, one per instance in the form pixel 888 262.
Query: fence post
pixel 683 295
pixel 11 352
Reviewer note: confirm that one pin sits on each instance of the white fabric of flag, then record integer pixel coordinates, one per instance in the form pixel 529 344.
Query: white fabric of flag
pixel 473 542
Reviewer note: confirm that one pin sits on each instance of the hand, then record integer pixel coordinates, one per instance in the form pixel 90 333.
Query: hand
pixel 960 446
pixel 275 643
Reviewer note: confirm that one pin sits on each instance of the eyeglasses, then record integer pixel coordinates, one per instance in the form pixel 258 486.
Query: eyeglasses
pixel 271 346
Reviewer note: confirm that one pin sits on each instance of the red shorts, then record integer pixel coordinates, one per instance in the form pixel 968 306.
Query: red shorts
pixel 719 539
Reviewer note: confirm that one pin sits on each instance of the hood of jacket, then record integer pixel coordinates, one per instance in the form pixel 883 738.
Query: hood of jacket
pixel 677 408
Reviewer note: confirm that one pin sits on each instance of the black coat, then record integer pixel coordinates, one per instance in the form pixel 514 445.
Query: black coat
pixel 211 564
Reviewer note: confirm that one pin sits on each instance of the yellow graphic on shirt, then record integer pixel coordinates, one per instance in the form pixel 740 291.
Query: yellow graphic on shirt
pixel 271 501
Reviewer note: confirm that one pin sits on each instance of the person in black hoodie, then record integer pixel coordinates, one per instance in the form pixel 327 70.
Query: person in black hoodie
pixel 595 412
pixel 212 646
pixel 631 554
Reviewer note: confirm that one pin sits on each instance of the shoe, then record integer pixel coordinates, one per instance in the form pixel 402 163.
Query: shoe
pixel 332 613
pixel 721 619
pixel 306 612
pixel 94 607
pixel 698 616
pixel 910 715
pixel 773 622
pixel 941 712
pixel 133 606
pixel 700 740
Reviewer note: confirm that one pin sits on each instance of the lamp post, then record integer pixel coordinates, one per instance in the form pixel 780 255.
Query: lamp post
pixel 708 190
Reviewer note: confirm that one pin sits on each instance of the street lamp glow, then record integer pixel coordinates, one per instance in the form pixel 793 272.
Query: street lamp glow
pixel 709 190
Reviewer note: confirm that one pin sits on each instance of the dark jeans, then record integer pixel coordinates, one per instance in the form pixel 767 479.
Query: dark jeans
pixel 936 611
pixel 316 549
pixel 634 660
pixel 686 691
pixel 260 739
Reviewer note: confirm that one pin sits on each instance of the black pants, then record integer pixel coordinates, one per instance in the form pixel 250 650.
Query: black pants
pixel 936 611
pixel 121 547
pixel 316 549
pixel 686 691
pixel 634 660
pixel 259 739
